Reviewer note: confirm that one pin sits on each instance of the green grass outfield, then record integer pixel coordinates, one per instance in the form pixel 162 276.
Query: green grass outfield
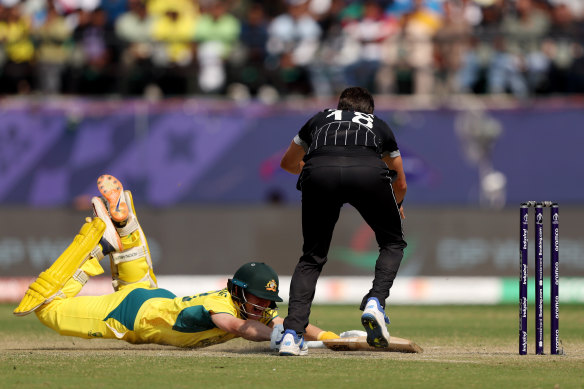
pixel 464 347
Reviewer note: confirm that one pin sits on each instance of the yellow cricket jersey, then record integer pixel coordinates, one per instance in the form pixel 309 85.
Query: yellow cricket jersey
pixel 157 316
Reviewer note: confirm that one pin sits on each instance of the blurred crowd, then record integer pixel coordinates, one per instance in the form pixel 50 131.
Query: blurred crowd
pixel 281 48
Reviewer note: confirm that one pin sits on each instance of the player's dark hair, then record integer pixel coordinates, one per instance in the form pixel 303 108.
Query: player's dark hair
pixel 356 99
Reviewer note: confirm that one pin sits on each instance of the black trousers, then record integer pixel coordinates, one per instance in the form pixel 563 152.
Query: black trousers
pixel 328 182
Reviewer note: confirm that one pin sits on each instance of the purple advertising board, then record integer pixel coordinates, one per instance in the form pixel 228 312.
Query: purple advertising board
pixel 186 152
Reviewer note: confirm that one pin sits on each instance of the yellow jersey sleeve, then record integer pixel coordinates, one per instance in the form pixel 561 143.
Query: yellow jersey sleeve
pixel 220 302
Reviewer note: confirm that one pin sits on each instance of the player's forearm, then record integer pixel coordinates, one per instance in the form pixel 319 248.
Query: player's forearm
pixel 312 332
pixel 399 184
pixel 254 331
pixel 294 169
pixel 399 189
pixel 292 160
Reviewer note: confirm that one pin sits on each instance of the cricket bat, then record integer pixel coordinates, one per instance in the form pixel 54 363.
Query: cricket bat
pixel 359 343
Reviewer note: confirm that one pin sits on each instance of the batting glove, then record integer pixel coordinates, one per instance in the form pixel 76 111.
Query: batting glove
pixel 326 335
pixel 277 335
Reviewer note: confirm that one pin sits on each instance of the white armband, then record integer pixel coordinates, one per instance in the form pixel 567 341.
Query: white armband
pixel 392 154
pixel 300 142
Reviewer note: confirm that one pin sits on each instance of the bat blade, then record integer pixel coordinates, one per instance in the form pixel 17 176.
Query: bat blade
pixel 359 343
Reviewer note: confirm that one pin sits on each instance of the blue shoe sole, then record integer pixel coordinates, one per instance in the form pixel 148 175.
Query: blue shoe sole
pixel 374 333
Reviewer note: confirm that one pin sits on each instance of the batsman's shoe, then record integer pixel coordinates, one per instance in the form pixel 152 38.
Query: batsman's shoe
pixel 374 320
pixel 293 344
pixel 112 190
pixel 110 241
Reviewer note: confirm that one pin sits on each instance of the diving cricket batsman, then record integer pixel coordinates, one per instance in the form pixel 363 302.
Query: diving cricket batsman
pixel 138 311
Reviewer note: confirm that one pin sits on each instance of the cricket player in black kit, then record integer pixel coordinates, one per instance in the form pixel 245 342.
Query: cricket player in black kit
pixel 345 155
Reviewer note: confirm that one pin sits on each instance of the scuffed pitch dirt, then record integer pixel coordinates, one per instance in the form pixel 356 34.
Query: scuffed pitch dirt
pixel 242 348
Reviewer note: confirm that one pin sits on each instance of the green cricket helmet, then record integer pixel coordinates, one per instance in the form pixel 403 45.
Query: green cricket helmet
pixel 258 279
pixel 255 278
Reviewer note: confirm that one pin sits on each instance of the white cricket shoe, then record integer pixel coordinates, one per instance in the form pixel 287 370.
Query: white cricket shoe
pixel 110 241
pixel 374 320
pixel 293 344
